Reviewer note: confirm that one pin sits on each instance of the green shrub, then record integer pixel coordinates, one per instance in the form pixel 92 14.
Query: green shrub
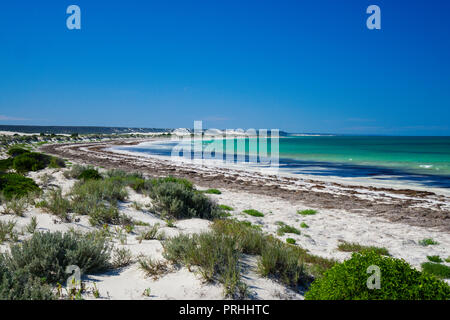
pixel 212 191
pixel 290 241
pixel 7 232
pixel 427 242
pixel 15 185
pixel 16 206
pixel 46 255
pixel 56 204
pixel 356 247
pixel 19 285
pixel 6 164
pixel 176 198
pixel 282 262
pixel 56 163
pixel 88 194
pixel 74 171
pixel 217 257
pixel 253 212
pixel 31 161
pixel 225 207
pixel 399 281
pixel 90 174
pixel 152 268
pixel 102 214
pixel 304 225
pixel 439 270
pixel 149 233
pixel 307 212
pixel 17 151
pixel 284 228
pixel 436 259
pixel 121 258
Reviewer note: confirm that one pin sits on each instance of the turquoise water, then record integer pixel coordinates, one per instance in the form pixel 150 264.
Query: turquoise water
pixel 423 160
pixel 423 155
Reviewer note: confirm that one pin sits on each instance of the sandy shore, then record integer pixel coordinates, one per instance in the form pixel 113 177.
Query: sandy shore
pixel 390 218
pixel 412 207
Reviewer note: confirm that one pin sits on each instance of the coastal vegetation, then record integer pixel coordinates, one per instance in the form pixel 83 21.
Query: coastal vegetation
pixel 428 242
pixel 307 212
pixel 348 281
pixel 356 247
pixel 439 270
pixel 34 266
pixel 253 212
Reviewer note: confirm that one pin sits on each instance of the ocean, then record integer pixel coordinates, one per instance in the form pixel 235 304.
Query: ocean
pixel 425 160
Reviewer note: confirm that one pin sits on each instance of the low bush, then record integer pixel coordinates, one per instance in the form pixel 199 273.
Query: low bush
pixel 399 281
pixel 46 255
pixel 15 185
pixel 16 206
pixel 304 225
pixel 436 259
pixel 216 256
pixel 307 212
pixel 284 228
pixel 6 164
pixel 282 262
pixel 439 270
pixel 153 268
pixel 19 285
pixel 57 204
pixel 212 191
pixel 356 247
pixel 31 161
pixel 121 258
pixel 253 212
pixel 428 242
pixel 74 171
pixel 177 198
pixel 7 232
pixel 16 151
pixel 290 241
pixel 149 233
pixel 90 174
pixel 88 195
pixel 225 207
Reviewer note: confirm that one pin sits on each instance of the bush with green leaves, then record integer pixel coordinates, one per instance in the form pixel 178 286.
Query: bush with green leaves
pixel 216 256
pixel 88 194
pixel 254 213
pixel 6 164
pixel 439 270
pixel 90 174
pixel 399 281
pixel 356 247
pixel 17 151
pixel 57 204
pixel 31 161
pixel 19 285
pixel 15 185
pixel 46 255
pixel 177 198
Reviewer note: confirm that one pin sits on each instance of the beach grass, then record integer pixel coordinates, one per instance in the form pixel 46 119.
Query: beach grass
pixel 428 242
pixel 307 212
pixel 304 225
pixel 225 207
pixel 212 191
pixel 435 258
pixel 284 228
pixel 253 212
pixel 356 247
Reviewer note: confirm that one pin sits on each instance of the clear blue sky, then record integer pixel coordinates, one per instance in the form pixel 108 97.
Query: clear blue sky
pixel 301 66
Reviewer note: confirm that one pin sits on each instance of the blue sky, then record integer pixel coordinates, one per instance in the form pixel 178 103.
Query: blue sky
pixel 301 66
